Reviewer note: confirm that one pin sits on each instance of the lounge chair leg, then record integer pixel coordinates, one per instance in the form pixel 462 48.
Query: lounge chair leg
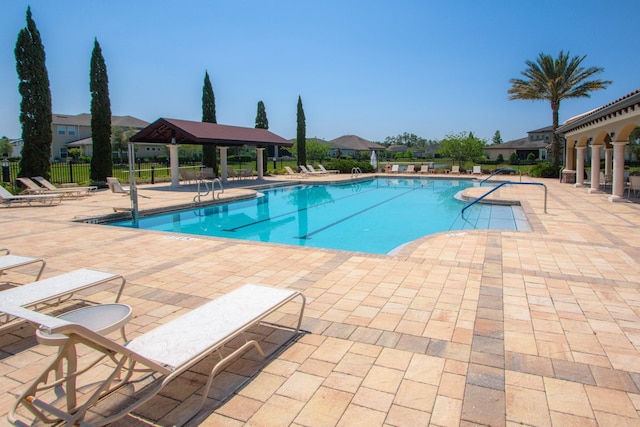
pixel 216 369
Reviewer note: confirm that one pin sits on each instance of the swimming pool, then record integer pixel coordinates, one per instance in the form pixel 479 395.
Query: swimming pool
pixel 375 216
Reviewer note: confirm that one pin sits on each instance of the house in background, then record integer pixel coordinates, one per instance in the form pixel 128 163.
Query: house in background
pixel 17 145
pixel 352 145
pixel 536 142
pixel 74 131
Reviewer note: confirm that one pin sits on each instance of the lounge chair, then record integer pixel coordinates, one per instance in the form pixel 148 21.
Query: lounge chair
pixel 5 250
pixel 395 168
pixel 291 173
pixel 411 169
pixel 303 169
pixel 455 169
pixel 8 199
pixel 312 170
pixel 49 186
pixel 53 291
pixel 477 170
pixel 33 188
pixel 116 187
pixel 8 262
pixel 322 168
pixel 424 169
pixel 164 353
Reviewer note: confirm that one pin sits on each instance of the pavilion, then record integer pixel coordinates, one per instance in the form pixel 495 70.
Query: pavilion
pixel 608 128
pixel 173 132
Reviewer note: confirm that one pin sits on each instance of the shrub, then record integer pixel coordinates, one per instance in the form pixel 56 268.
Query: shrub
pixel 500 159
pixel 345 166
pixel 545 170
pixel 513 159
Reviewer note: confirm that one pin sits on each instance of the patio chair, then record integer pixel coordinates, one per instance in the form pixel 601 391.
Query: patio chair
pixel 8 199
pixel 411 169
pixel 322 168
pixel 395 168
pixel 304 170
pixel 455 169
pixel 7 262
pixel 53 291
pixel 477 170
pixel 164 353
pixel 188 175
pixel 634 185
pixel 49 186
pixel 116 187
pixel 5 250
pixel 424 169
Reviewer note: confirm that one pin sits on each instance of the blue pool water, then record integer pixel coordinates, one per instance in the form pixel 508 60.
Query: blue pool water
pixel 374 216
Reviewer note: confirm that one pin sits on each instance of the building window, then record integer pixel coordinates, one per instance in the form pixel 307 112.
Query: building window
pixel 543 154
pixel 71 130
pixel 62 130
pixel 63 152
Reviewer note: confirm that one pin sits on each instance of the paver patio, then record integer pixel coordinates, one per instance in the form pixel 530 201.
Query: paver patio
pixel 463 328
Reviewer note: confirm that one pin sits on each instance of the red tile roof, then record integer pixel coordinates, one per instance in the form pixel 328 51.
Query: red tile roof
pixel 187 132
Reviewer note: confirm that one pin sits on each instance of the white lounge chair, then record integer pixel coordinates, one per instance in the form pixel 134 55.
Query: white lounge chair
pixel 54 290
pixel 634 185
pixel 116 187
pixel 312 170
pixel 8 262
pixel 411 169
pixel 8 199
pixel 395 168
pixel 33 188
pixel 303 169
pixel 49 186
pixel 291 173
pixel 164 352
pixel 455 169
pixel 424 169
pixel 322 168
pixel 477 170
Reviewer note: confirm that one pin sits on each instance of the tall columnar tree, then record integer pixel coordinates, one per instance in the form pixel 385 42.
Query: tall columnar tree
pixel 301 139
pixel 555 79
pixel 263 123
pixel 102 158
pixel 35 107
pixel 209 158
pixel 497 138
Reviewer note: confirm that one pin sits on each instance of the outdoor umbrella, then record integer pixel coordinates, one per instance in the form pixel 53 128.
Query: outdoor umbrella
pixel 374 160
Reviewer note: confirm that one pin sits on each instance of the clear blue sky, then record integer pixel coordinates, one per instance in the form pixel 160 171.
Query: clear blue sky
pixel 370 68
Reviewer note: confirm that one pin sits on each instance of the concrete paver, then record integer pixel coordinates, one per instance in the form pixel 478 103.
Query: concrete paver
pixel 462 328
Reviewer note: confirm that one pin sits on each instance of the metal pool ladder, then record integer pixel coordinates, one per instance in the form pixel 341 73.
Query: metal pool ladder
pixel 355 172
pixel 198 197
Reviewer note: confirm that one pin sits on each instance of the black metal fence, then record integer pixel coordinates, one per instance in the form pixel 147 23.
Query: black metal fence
pixel 62 173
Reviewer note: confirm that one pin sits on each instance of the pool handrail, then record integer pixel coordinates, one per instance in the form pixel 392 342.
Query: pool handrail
pixel 473 202
pixel 499 171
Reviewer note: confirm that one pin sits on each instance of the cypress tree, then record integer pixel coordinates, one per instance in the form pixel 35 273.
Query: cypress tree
pixel 301 138
pixel 102 159
pixel 263 123
pixel 35 107
pixel 209 158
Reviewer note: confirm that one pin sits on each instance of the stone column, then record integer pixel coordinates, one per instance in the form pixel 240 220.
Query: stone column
pixel 223 163
pixel 259 152
pixel 580 166
pixel 608 163
pixel 595 169
pixel 174 164
pixel 617 192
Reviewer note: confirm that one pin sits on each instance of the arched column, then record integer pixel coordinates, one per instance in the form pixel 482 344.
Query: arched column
pixel 595 169
pixel 580 166
pixel 223 163
pixel 174 164
pixel 259 154
pixel 617 193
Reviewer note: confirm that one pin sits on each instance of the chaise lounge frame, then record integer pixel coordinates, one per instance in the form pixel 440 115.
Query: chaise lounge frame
pixel 53 291
pixel 166 351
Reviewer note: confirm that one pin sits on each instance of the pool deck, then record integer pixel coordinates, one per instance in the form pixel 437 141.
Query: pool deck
pixel 494 328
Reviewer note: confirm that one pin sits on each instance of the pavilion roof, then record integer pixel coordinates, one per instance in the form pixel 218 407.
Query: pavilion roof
pixel 201 133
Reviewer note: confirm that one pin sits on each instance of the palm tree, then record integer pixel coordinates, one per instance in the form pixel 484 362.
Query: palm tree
pixel 555 79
